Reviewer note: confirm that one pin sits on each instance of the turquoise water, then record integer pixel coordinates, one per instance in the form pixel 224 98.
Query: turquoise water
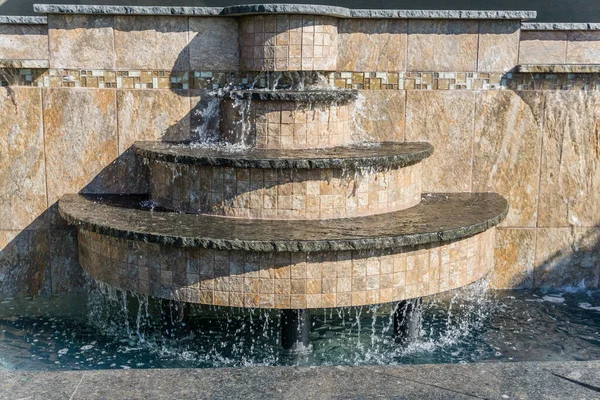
pixel 109 330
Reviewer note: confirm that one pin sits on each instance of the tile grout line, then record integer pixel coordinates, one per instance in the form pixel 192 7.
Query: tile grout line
pixel 78 384
pixel 537 211
pixel 42 99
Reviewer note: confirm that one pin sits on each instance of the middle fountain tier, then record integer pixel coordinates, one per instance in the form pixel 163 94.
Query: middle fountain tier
pixel 290 214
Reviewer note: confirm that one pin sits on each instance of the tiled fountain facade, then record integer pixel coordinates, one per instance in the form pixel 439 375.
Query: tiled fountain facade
pixel 450 79
pixel 285 279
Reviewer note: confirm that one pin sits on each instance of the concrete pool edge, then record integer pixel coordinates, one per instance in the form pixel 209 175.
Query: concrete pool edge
pixel 532 380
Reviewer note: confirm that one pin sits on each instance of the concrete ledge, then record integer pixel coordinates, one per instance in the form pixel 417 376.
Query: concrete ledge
pixel 22 20
pixel 559 68
pixel 38 64
pixel 253 9
pixel 523 380
pixel 559 26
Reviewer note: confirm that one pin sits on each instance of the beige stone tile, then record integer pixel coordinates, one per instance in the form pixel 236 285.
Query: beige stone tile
pixel 23 42
pixel 81 41
pixel 372 45
pixel 498 45
pixel 67 274
pixel 583 47
pixel 151 42
pixel 214 44
pixel 151 114
pixel 379 115
pixel 506 152
pixel 442 45
pixel 543 47
pixel 24 263
pixel 444 119
pixel 22 182
pixel 570 173
pixel 567 256
pixel 514 256
pixel 81 141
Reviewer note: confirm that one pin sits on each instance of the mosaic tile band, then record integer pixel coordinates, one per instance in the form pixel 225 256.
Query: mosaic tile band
pixel 214 80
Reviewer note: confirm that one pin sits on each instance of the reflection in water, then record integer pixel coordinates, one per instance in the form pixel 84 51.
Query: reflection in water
pixel 109 329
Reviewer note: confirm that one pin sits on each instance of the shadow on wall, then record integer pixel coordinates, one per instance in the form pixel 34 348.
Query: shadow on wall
pixel 42 258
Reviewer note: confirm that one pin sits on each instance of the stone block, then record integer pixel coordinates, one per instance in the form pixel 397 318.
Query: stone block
pixel 24 263
pixel 583 47
pixel 444 119
pixel 543 47
pixel 498 45
pixel 162 115
pixel 379 115
pixel 570 171
pixel 214 44
pixel 506 151
pixel 567 257
pixel 151 42
pixel 514 257
pixel 372 45
pixel 442 45
pixel 22 183
pixel 23 42
pixel 81 141
pixel 81 41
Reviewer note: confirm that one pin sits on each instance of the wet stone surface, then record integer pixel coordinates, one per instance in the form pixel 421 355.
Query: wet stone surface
pixel 350 157
pixel 439 217
pixel 304 96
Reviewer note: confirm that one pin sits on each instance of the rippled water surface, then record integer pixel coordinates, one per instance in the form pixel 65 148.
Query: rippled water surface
pixel 107 329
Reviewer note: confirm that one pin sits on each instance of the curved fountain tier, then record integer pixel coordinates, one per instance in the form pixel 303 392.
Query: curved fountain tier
pixel 443 243
pixel 358 156
pixel 287 119
pixel 337 182
pixel 337 96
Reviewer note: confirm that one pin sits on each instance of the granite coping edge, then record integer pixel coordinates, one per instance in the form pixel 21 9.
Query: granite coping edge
pixel 166 152
pixel 559 68
pixel 93 210
pixel 253 9
pixel 560 26
pixel 23 20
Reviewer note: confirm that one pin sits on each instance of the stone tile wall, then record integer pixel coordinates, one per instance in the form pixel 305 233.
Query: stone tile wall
pixel 531 137
pixel 283 194
pixel 285 280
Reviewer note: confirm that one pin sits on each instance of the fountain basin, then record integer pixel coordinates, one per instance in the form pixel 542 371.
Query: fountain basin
pixel 443 243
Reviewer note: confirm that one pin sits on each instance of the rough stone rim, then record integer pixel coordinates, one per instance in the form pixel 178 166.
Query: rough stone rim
pixel 338 96
pixel 560 26
pixel 23 20
pixel 87 214
pixel 309 9
pixel 331 158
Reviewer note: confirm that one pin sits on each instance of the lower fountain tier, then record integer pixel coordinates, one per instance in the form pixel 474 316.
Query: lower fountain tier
pixel 338 182
pixel 445 242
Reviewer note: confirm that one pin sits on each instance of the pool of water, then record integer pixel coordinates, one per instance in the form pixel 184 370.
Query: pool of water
pixel 108 329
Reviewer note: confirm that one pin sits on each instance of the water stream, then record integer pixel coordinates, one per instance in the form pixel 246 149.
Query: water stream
pixel 110 329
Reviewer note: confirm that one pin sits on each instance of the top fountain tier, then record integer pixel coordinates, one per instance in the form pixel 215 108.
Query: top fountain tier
pixel 287 119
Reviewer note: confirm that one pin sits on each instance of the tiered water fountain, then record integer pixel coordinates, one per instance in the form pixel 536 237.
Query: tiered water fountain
pixel 291 214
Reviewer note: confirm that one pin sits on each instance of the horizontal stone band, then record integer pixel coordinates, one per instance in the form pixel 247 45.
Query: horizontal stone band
pixel 439 217
pixel 350 157
pixel 251 9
